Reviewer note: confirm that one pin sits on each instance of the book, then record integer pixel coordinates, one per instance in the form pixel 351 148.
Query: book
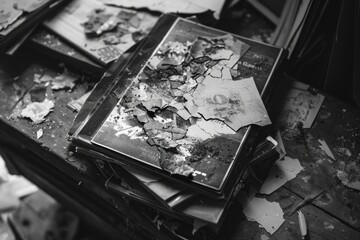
pixel 129 129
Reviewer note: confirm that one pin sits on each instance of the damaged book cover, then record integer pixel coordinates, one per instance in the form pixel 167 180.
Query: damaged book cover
pixel 186 111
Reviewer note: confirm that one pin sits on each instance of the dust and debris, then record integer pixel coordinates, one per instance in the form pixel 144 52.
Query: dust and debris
pixel 281 172
pixel 323 146
pixel 37 111
pixel 39 133
pixel 350 176
pixel 264 237
pixel 44 78
pixel 343 151
pixel 306 178
pixel 329 226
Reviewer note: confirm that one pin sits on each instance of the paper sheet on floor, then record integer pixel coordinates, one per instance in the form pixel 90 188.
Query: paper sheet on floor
pixel 302 105
pixel 268 214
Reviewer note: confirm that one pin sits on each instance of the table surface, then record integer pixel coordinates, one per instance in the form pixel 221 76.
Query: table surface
pixel 49 162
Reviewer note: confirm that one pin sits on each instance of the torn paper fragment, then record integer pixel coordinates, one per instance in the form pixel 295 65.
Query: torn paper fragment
pixel 39 133
pixel 281 172
pixel 36 111
pixel 326 149
pixel 65 80
pixel 237 103
pixel 268 214
pixel 42 79
pixel 347 181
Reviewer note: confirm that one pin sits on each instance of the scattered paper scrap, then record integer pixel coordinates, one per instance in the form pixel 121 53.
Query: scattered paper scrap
pixel 301 105
pixel 45 78
pixel 326 149
pixel 281 172
pixel 65 80
pixel 280 148
pixel 39 133
pixel 347 181
pixel 268 214
pixel 36 111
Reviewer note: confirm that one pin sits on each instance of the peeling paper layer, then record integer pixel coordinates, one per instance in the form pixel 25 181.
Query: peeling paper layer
pixel 281 172
pixel 237 103
pixel 268 214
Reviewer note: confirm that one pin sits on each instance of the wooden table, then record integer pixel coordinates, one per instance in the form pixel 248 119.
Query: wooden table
pixel 49 162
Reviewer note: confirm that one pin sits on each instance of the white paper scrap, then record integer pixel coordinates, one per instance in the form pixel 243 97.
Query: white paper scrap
pixel 39 133
pixel 268 214
pixel 281 172
pixel 36 111
pixel 326 149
